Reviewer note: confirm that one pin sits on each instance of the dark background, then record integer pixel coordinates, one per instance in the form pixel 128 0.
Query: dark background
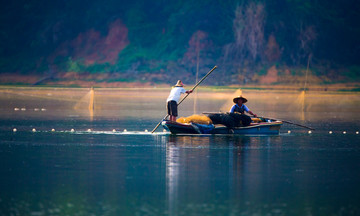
pixel 154 41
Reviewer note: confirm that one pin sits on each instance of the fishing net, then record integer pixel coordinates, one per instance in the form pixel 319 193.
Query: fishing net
pixel 230 120
pixel 199 119
pixel 256 120
pixel 241 120
pixel 229 103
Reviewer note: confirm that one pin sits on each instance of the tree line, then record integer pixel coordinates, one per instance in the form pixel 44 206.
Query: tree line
pixel 161 39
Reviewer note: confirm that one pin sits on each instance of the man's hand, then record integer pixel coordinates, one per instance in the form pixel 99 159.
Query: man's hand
pixel 251 113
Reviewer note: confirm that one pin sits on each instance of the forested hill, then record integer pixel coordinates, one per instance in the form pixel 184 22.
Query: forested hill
pixel 165 40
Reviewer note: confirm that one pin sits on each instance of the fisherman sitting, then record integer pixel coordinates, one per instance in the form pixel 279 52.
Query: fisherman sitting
pixel 240 107
pixel 238 110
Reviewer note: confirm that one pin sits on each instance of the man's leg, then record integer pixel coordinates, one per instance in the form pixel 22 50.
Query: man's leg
pixel 168 106
pixel 173 111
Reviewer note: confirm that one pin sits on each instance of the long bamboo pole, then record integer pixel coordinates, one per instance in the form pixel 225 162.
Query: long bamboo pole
pixel 186 96
pixel 304 126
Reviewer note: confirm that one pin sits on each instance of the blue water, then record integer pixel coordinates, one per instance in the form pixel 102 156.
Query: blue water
pixel 138 173
pixel 101 172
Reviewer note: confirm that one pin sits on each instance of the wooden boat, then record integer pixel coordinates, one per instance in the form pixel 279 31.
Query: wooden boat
pixel 265 126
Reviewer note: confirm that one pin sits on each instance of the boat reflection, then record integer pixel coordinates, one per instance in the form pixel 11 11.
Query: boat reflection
pixel 192 157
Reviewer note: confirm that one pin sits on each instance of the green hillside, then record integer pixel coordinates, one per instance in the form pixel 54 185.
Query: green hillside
pixel 162 41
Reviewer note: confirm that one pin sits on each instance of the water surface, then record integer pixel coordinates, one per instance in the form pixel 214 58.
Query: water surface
pixel 101 172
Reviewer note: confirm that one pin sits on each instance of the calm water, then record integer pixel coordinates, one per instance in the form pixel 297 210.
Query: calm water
pixel 100 172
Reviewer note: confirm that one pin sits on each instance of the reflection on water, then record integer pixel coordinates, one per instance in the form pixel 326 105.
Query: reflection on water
pixel 172 177
pixel 101 172
pixel 108 174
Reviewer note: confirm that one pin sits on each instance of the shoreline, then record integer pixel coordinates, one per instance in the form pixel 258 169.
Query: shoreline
pixel 348 87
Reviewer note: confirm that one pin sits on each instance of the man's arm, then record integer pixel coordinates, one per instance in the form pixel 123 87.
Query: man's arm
pixel 232 109
pixel 251 113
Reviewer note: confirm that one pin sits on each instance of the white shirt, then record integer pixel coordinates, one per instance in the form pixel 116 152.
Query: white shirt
pixel 175 94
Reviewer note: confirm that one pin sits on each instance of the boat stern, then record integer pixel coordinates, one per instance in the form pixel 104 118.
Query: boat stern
pixel 178 128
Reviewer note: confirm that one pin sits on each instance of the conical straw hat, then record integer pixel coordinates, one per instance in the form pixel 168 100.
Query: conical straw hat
pixel 179 84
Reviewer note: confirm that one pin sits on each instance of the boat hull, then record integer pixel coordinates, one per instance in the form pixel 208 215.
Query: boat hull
pixel 267 128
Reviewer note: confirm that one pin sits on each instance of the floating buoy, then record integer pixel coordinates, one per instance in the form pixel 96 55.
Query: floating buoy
pixel 89 130
pixel 309 132
pixel 72 130
pixel 330 132
pixel 16 109
pixel 14 130
pixel 125 130
pixel 344 132
pixel 53 130
pixel 113 130
pixel 43 109
pixel 23 109
pixel 146 130
pixel 33 130
pixel 36 109
pixel 357 132
pixel 289 131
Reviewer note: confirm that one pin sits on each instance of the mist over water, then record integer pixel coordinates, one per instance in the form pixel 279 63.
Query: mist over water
pixel 130 171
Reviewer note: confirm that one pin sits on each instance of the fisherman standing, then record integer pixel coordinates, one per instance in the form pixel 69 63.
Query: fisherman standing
pixel 173 99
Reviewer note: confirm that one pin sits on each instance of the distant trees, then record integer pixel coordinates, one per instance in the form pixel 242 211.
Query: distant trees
pixel 255 43
pixel 307 37
pixel 198 51
pixel 272 50
pixel 248 28
pixel 164 37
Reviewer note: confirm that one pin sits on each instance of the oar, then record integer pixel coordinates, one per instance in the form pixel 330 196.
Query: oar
pixel 186 96
pixel 304 126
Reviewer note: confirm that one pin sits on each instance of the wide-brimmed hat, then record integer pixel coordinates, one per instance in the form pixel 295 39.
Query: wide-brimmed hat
pixel 179 84
pixel 238 98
